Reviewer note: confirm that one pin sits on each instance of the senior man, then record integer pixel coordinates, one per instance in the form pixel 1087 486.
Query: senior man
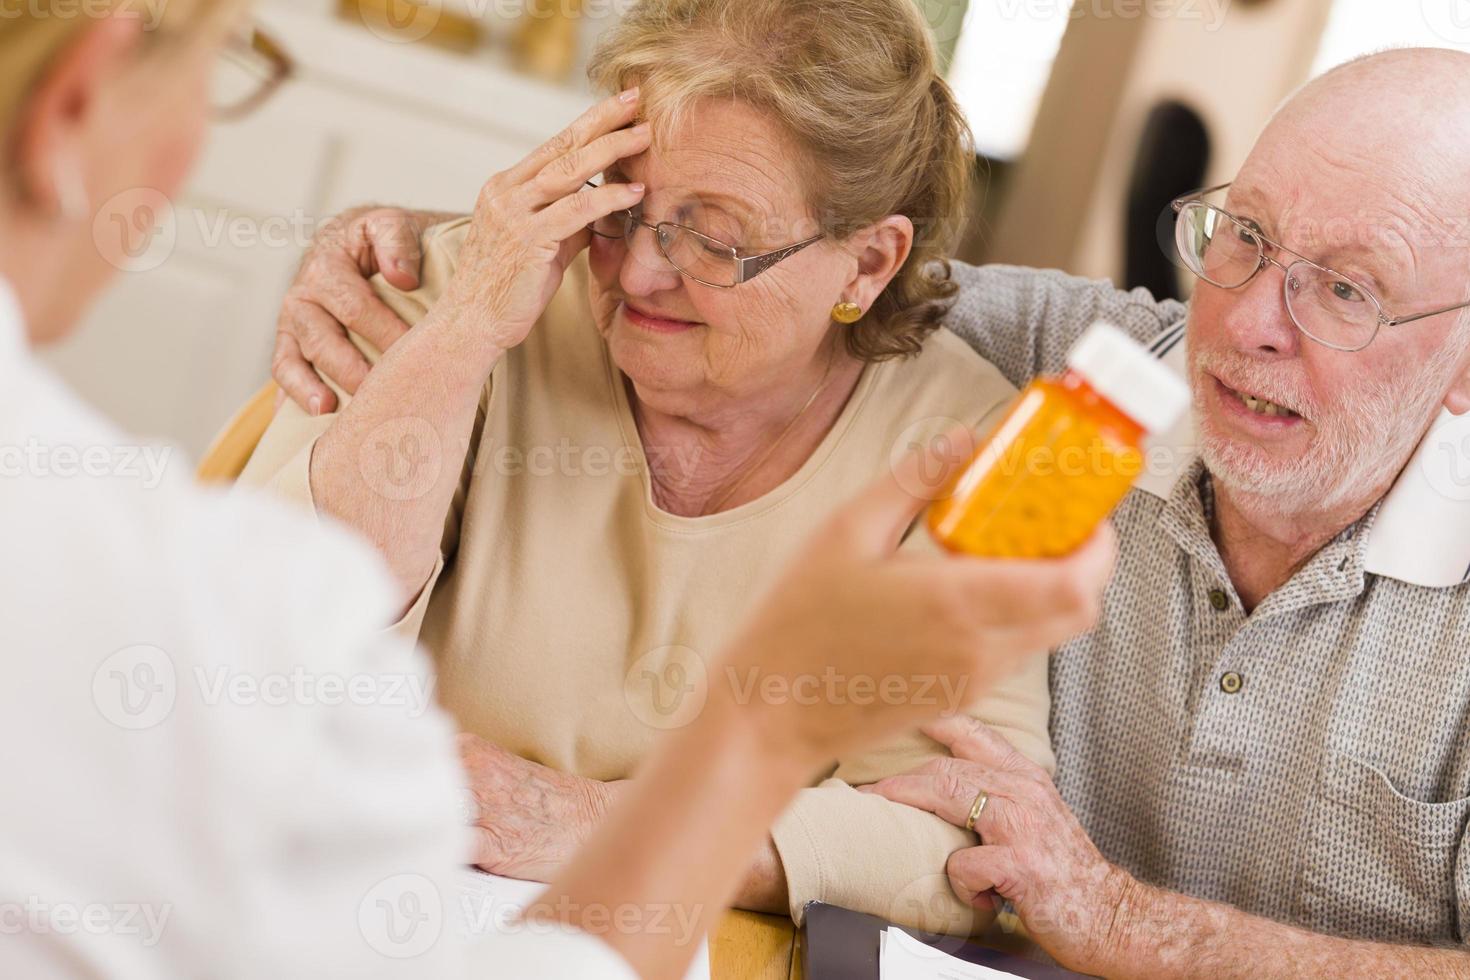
pixel 1263 766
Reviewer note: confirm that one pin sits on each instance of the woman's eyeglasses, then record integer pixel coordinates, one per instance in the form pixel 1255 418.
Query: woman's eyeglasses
pixel 1226 251
pixel 694 254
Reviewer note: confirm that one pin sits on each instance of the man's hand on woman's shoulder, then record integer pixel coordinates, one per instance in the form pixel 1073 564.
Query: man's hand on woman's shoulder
pixel 529 223
pixel 331 295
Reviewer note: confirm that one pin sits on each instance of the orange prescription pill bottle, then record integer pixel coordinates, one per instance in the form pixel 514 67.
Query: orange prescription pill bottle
pixel 1064 456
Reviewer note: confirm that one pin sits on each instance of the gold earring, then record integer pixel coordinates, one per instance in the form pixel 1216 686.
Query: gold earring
pixel 845 312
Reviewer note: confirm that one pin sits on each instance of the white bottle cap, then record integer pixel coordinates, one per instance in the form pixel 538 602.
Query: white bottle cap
pixel 1122 370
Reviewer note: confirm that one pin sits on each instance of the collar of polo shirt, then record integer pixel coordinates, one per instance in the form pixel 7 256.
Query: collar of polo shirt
pixel 1422 532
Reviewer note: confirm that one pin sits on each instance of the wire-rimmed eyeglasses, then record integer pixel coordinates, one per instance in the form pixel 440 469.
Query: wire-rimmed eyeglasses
pixel 1227 251
pixel 694 254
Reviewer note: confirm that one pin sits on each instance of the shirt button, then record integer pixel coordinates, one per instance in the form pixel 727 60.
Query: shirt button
pixel 1231 683
pixel 1219 599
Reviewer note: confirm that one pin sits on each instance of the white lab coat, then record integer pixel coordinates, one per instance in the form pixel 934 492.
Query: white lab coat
pixel 213 762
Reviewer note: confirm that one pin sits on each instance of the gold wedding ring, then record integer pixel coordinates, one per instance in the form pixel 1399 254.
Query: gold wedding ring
pixel 977 808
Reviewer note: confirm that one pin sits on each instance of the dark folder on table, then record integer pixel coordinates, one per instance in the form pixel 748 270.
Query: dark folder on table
pixel 843 945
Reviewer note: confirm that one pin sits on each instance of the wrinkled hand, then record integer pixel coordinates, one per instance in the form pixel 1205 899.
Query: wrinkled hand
pixel 331 294
pixel 531 220
pixel 530 819
pixel 1034 853
pixel 872 633
pixel 529 223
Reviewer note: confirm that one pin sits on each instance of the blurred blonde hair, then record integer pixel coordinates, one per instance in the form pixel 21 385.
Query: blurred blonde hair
pixel 33 32
pixel 856 84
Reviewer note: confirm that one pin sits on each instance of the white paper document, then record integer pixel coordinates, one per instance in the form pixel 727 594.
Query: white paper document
pixel 902 957
pixel 491 904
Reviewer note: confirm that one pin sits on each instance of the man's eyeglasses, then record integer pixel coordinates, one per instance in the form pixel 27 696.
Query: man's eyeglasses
pixel 1226 251
pixel 252 66
pixel 696 255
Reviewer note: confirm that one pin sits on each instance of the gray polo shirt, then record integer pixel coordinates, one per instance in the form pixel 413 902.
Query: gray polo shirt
pixel 1308 762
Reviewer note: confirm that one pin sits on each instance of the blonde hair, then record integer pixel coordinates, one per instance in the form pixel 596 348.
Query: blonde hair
pixel 856 84
pixel 32 36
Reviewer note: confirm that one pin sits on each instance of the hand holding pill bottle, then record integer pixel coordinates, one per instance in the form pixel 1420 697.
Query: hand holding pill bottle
pixel 1064 456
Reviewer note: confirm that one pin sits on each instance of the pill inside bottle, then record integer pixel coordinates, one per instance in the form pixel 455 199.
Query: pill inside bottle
pixel 1064 456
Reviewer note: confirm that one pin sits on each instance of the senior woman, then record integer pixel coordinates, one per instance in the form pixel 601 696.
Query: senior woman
pixel 581 469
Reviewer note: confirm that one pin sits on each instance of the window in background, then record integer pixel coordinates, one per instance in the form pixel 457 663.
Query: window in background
pixel 1358 27
pixel 1002 61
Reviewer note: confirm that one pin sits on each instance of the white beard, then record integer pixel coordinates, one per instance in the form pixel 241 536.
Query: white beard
pixel 1361 441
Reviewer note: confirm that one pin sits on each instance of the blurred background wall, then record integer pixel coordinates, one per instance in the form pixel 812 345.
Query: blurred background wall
pixel 1089 115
